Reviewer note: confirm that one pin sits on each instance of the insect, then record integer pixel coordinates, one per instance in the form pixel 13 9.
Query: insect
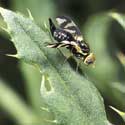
pixel 68 35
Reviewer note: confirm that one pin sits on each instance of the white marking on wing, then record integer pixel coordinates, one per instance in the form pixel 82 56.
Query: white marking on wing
pixel 60 21
pixel 70 24
pixel 71 31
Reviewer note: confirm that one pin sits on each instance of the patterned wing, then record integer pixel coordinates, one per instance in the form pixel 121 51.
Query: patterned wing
pixel 68 25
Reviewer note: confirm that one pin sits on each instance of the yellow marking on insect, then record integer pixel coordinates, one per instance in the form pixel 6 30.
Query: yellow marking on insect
pixel 78 38
pixel 90 59
pixel 78 48
pixel 121 57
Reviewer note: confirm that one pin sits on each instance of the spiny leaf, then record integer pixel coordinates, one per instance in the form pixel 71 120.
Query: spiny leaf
pixel 120 18
pixel 73 99
pixel 122 114
pixel 39 8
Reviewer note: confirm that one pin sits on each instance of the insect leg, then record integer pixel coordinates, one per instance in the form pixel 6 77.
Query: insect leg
pixel 78 64
pixel 59 44
pixel 66 57
pixel 56 45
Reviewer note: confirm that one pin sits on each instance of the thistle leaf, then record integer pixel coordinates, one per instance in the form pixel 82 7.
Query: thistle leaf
pixel 69 96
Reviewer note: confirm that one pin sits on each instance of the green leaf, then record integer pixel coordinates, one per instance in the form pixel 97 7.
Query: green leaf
pixel 31 76
pixel 39 11
pixel 69 96
pixel 39 8
pixel 107 68
pixel 29 72
pixel 15 106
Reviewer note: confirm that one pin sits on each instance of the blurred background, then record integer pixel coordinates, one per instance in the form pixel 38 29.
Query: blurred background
pixel 20 82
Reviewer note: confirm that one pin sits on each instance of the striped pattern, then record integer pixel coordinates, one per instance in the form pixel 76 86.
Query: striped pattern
pixel 68 25
pixel 58 45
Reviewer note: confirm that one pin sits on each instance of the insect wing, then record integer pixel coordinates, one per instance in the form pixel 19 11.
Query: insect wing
pixel 68 25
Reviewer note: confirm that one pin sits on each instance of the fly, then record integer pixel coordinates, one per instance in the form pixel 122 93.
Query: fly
pixel 68 35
